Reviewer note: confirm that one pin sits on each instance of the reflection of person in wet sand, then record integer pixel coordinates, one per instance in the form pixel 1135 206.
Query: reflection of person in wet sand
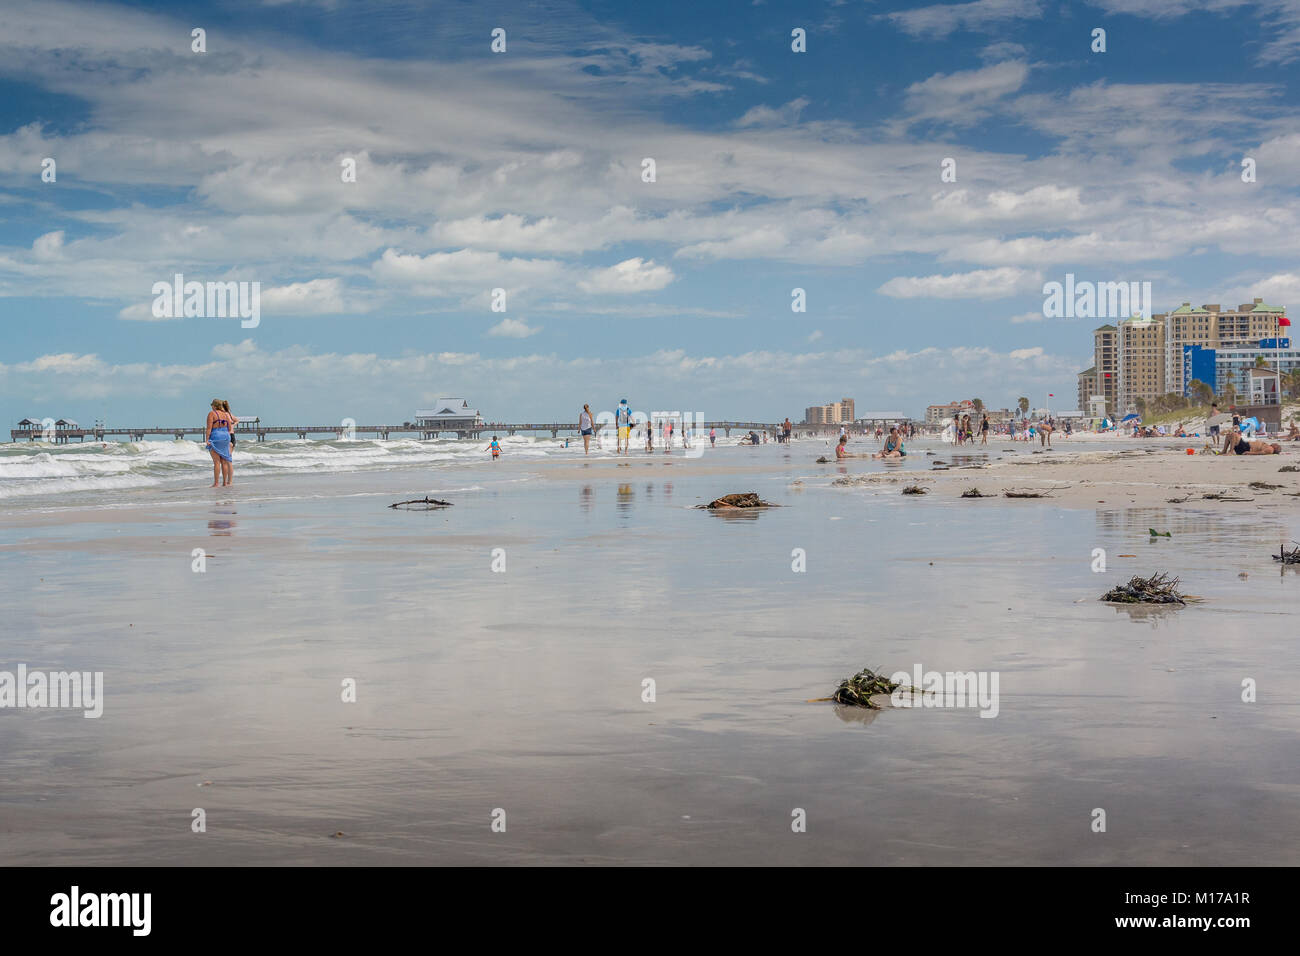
pixel 1235 443
pixel 893 446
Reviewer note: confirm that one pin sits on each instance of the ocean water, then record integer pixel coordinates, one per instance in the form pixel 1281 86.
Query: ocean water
pixel 500 650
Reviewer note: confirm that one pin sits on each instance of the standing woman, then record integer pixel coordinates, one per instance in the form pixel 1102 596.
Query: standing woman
pixel 585 426
pixel 216 438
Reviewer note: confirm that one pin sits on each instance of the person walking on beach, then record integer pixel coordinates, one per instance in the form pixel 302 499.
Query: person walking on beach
pixel 984 429
pixel 623 421
pixel 585 427
pixel 787 429
pixel 713 437
pixel 217 440
pixel 649 436
pixel 494 446
pixel 668 439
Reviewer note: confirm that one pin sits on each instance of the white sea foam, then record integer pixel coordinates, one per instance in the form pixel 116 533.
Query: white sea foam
pixel 38 468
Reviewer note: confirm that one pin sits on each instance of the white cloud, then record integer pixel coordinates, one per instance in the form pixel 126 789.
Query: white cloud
pixel 513 329
pixel 962 98
pixel 628 276
pixel 315 297
pixel 980 284
pixel 48 246
pixel 939 20
pixel 786 115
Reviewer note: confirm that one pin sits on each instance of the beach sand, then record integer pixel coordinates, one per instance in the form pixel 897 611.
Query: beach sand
pixel 522 690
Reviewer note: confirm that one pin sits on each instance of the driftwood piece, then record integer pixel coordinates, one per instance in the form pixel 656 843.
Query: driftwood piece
pixel 421 504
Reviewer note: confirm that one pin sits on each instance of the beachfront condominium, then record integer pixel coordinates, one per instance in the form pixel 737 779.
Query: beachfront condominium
pixel 835 413
pixel 1143 359
pixel 1248 374
pixel 1211 327
pixel 1102 380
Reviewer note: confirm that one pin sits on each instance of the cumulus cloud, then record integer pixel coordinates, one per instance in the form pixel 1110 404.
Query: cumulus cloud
pixel 628 276
pixel 513 329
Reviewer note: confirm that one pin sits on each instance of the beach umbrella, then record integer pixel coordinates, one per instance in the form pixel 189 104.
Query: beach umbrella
pixel 1129 417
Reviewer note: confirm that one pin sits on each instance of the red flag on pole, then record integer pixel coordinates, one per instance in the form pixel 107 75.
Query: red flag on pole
pixel 1284 322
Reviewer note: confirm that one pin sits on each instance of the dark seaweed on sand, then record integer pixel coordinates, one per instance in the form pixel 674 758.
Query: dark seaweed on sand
pixel 857 690
pixel 915 490
pixel 420 504
pixel 975 493
pixel 1157 589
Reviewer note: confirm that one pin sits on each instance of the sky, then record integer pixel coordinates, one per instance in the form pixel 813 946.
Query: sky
pixel 523 170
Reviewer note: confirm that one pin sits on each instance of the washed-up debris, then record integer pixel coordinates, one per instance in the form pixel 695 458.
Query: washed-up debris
pixel 1263 486
pixel 1159 534
pixel 1224 496
pixel 823 460
pixel 421 504
pixel 975 493
pixel 1289 468
pixel 1010 493
pixel 858 689
pixel 915 490
pixel 1177 501
pixel 1288 557
pixel 1157 589
pixel 740 499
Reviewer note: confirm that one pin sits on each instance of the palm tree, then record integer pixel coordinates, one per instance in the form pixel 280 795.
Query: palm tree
pixel 979 405
pixel 1023 404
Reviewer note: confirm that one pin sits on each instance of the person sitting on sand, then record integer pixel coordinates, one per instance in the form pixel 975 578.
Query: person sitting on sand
pixel 1235 443
pixel 1294 433
pixel 893 446
pixel 842 448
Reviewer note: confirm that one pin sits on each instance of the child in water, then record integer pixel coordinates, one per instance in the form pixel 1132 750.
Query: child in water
pixel 495 448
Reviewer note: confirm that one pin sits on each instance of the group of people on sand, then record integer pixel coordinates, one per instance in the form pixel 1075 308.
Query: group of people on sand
pixel 893 447
pixel 219 440
pixel 964 433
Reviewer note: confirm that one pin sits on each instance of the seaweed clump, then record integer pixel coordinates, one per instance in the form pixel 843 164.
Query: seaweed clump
pixel 1288 557
pixel 915 490
pixel 1157 589
pixel 744 499
pixel 975 493
pixel 858 689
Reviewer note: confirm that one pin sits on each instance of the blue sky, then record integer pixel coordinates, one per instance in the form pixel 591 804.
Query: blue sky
pixel 522 170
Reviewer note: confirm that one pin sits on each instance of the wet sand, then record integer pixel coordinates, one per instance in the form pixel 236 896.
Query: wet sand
pixel 522 690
